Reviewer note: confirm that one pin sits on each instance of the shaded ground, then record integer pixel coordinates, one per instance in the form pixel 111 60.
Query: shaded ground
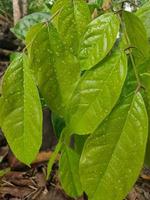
pixel 23 183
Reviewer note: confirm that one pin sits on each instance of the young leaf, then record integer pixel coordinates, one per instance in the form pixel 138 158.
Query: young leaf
pixel 22 27
pixel 144 14
pixel 21 116
pixel 137 36
pixel 113 156
pixel 56 70
pixel 72 22
pixel 98 40
pixel 96 94
pixel 69 172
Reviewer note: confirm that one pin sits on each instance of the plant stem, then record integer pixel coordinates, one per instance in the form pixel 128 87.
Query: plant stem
pixel 131 57
pixel 64 139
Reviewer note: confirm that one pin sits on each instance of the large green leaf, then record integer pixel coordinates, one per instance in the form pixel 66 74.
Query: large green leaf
pixel 21 115
pixel 144 14
pixel 113 156
pixel 22 27
pixel 96 94
pixel 137 37
pixel 72 22
pixel 56 70
pixel 98 40
pixel 69 172
pixel 145 78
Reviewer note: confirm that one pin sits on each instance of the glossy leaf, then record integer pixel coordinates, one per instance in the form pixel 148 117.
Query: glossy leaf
pixel 69 172
pixel 98 40
pixel 144 14
pixel 22 27
pixel 21 115
pixel 96 94
pixel 113 156
pixel 137 37
pixel 145 78
pixel 56 70
pixel 72 22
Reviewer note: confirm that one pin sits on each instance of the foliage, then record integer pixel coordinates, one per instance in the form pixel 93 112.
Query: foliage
pixel 94 75
pixel 5 7
pixel 22 27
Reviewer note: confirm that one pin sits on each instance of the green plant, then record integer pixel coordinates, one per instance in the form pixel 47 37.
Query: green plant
pixel 95 77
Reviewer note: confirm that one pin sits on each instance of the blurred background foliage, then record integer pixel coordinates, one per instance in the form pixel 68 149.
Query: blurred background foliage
pixel 33 6
pixel 45 5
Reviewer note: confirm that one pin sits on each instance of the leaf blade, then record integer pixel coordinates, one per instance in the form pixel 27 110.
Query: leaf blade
pixel 96 94
pixel 22 113
pixel 22 27
pixel 72 21
pixel 70 179
pixel 144 14
pixel 98 40
pixel 112 157
pixel 52 66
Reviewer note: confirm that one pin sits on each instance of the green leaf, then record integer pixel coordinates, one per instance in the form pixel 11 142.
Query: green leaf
pixel 69 172
pixel 99 2
pixel 56 70
pixel 4 171
pixel 98 40
pixel 144 1
pixel 113 156
pixel 56 9
pixel 72 22
pixel 96 94
pixel 137 36
pixel 145 78
pixel 21 115
pixel 144 14
pixel 22 27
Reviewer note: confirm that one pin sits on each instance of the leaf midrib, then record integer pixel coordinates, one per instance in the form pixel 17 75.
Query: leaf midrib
pixel 115 147
pixel 97 96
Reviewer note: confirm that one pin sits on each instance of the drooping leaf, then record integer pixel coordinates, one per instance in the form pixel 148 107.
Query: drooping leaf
pixel 113 156
pixel 21 115
pixel 96 94
pixel 98 40
pixel 72 22
pixel 144 14
pixel 137 37
pixel 69 172
pixel 56 70
pixel 22 27
pixel 145 78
